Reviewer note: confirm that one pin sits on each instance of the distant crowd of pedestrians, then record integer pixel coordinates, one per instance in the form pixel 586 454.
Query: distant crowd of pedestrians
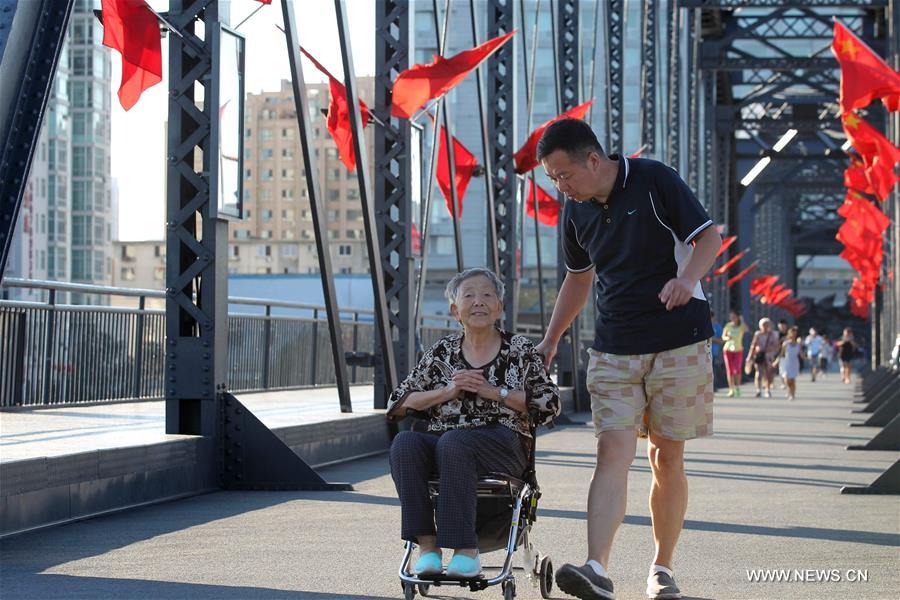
pixel 777 349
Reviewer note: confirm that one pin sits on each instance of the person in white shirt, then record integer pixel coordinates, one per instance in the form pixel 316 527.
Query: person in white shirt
pixel 814 347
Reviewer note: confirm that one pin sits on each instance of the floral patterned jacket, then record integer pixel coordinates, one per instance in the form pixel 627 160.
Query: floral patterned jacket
pixel 518 366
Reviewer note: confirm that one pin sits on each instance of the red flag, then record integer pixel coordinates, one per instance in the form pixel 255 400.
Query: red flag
pixel 878 153
pixel 416 239
pixel 864 75
pixel 761 285
pixel 264 1
pixel 526 156
pixel 725 243
pixel 727 265
pixel 855 177
pixel 338 119
pixel 130 27
pixel 464 163
pixel 638 152
pixel 867 215
pixel 859 308
pixel 767 297
pixel 742 274
pixel 420 83
pixel 781 296
pixel 548 206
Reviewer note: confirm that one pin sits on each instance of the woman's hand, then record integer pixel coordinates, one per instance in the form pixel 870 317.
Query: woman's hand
pixel 472 380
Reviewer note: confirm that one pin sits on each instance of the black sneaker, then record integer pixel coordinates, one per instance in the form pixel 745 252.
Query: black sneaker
pixel 661 586
pixel 583 582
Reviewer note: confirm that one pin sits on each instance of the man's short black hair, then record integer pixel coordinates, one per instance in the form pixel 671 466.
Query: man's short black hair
pixel 572 135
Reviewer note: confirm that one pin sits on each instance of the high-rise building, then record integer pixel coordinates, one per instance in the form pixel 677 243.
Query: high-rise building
pixel 64 228
pixel 90 69
pixel 277 236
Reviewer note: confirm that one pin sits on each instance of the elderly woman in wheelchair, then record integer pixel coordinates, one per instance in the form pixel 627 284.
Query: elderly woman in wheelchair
pixel 479 391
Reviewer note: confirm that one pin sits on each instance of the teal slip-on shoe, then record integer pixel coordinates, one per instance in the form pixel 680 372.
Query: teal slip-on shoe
pixel 464 567
pixel 428 564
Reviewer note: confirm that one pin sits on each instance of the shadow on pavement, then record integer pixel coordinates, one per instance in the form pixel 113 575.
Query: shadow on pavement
pixel 813 533
pixel 66 586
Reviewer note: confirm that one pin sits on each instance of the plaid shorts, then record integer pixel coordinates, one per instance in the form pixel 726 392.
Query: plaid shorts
pixel 670 392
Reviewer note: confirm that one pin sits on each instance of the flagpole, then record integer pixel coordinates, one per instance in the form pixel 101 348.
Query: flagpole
pixel 529 178
pixel 248 17
pixel 426 220
pixel 493 249
pixel 448 137
pixel 590 93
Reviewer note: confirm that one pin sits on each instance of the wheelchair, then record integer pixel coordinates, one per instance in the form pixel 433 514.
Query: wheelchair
pixel 506 511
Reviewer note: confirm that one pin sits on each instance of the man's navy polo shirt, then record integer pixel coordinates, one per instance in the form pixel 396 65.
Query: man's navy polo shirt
pixel 636 242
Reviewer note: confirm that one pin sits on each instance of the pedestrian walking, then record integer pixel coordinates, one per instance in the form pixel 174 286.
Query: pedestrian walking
pixel 826 355
pixel 790 354
pixel 764 348
pixel 781 330
pixel 814 345
pixel 633 226
pixel 847 350
pixel 733 337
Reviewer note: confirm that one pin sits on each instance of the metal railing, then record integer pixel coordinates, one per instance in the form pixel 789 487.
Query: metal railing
pixel 57 353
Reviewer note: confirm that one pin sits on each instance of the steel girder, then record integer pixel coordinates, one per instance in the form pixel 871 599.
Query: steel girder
pixel 35 42
pixel 751 41
pixel 392 180
pixel 773 90
pixel 615 73
pixel 647 118
pixel 673 38
pixel 782 3
pixel 568 53
pixel 196 243
pixel 501 101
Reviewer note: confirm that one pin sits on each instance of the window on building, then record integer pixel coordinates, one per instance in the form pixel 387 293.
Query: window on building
pixel 346 270
pixel 287 133
pixel 331 153
pixel 159 273
pixel 265 195
pixel 287 234
pixel 354 215
pixel 352 194
pixel 287 174
pixel 266 215
pixel 334 195
pixel 266 153
pixel 266 174
pixel 334 215
pixel 128 274
pixel 248 173
pixel 265 234
pixel 287 193
pixel 288 250
pixel 287 214
pixel 241 234
pixel 265 134
pixel 287 153
pixel 248 133
pixel 345 250
pixel 234 251
pixel 333 234
pixel 350 234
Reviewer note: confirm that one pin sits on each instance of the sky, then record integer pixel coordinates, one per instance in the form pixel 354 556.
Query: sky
pixel 138 153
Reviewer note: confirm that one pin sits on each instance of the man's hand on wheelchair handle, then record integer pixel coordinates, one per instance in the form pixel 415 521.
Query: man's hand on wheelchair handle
pixel 547 349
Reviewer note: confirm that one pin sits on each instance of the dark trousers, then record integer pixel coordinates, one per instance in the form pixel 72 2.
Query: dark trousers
pixel 459 457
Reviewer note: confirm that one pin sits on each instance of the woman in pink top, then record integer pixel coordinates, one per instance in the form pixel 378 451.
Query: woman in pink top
pixel 733 349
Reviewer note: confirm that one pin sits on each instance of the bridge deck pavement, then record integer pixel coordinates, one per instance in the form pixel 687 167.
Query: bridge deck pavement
pixel 764 495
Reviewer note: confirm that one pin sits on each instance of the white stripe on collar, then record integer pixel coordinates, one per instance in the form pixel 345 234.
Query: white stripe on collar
pixel 625 179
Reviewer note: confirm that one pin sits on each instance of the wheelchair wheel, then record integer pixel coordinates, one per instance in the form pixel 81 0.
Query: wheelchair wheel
pixel 409 591
pixel 546 577
pixel 509 589
pixel 423 588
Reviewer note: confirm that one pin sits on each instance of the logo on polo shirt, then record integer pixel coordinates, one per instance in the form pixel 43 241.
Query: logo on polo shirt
pixel 631 212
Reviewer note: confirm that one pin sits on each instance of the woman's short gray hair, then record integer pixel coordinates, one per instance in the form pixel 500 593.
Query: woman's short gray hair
pixel 453 285
pixel 765 321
